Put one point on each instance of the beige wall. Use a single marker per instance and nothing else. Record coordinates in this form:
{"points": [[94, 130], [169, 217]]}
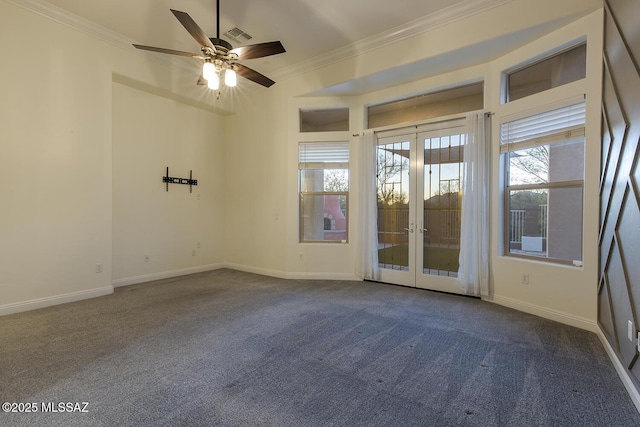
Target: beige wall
{"points": [[256, 186], [60, 143], [179, 231], [56, 222], [55, 162], [563, 293], [567, 294]]}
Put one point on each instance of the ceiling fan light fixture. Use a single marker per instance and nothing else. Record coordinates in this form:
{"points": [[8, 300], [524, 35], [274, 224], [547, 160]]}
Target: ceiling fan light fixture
{"points": [[214, 81], [230, 77], [208, 70]]}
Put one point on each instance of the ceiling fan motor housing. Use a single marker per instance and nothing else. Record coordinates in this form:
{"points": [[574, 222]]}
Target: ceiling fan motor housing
{"points": [[221, 43]]}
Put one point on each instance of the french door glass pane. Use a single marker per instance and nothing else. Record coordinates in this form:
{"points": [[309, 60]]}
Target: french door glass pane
{"points": [[442, 204], [393, 194]]}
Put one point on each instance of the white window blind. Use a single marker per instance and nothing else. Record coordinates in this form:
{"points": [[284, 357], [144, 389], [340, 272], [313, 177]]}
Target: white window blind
{"points": [[323, 155], [544, 128]]}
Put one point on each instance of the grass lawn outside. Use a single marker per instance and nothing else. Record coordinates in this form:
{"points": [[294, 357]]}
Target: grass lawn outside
{"points": [[434, 258]]}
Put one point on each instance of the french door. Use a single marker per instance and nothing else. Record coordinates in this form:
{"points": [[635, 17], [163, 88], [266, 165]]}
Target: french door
{"points": [[419, 178]]}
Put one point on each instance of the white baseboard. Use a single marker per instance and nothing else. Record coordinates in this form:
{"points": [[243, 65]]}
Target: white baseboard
{"points": [[54, 300], [256, 270], [287, 275], [623, 373], [578, 322], [324, 276], [547, 313], [34, 304], [165, 275]]}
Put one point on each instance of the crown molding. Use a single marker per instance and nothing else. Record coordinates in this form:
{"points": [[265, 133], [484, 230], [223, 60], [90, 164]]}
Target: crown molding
{"points": [[61, 16], [76, 22], [421, 25], [430, 22]]}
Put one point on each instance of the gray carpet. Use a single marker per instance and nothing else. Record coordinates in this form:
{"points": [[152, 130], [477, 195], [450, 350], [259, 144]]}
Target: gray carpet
{"points": [[234, 349]]}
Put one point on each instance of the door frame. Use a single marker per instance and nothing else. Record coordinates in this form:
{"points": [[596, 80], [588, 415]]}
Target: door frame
{"points": [[413, 275]]}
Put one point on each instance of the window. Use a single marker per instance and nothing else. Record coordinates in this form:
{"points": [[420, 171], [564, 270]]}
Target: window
{"points": [[543, 158], [426, 106], [561, 68], [324, 191], [324, 119]]}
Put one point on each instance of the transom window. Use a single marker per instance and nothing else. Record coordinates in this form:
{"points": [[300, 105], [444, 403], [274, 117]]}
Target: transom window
{"points": [[324, 119], [441, 103], [556, 70]]}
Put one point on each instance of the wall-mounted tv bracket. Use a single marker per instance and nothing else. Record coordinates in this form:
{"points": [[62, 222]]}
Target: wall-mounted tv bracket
{"points": [[186, 181]]}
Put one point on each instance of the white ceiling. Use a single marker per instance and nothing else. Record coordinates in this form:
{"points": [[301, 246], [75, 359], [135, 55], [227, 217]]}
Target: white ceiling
{"points": [[311, 31], [307, 28]]}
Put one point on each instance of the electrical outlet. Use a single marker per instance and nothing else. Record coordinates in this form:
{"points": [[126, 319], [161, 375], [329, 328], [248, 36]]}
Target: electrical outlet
{"points": [[630, 330], [198, 245], [146, 258], [524, 278], [99, 268], [300, 256]]}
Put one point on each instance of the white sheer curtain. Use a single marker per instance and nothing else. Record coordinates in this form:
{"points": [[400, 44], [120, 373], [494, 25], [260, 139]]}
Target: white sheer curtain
{"points": [[473, 274], [368, 261]]}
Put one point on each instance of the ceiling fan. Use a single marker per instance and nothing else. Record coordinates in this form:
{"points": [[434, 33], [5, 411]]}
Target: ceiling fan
{"points": [[219, 56]]}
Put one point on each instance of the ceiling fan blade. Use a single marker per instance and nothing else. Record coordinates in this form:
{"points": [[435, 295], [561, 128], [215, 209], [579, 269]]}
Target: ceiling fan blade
{"points": [[193, 28], [259, 50], [253, 75], [169, 51]]}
